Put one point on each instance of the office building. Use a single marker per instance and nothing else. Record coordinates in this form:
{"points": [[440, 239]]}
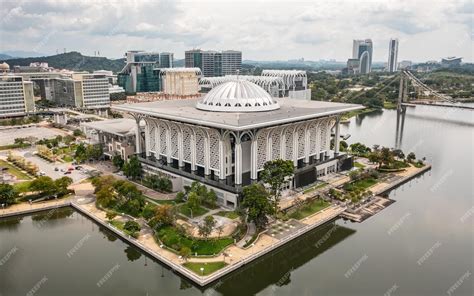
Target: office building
{"points": [[362, 50], [392, 55], [166, 60], [16, 96], [214, 63], [142, 71]]}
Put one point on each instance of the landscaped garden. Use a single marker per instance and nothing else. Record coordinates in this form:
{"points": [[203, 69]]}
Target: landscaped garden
{"points": [[14, 171], [309, 208], [176, 239], [204, 268]]}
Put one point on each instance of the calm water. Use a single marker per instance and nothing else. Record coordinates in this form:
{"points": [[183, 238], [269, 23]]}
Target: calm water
{"points": [[421, 245]]}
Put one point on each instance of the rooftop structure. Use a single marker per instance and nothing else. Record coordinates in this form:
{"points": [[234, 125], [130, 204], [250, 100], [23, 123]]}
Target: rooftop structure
{"points": [[273, 85], [451, 61], [117, 136], [238, 96]]}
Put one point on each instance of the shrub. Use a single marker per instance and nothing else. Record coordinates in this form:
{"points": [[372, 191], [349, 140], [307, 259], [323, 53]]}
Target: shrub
{"points": [[132, 226]]}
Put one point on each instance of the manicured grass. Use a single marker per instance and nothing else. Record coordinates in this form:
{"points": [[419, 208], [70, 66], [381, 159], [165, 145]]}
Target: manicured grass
{"points": [[117, 224], [309, 209], [174, 239], [315, 187], [185, 210], [359, 165], [360, 184], [228, 214], [15, 146], [166, 201], [22, 187], [14, 171], [208, 267], [389, 105]]}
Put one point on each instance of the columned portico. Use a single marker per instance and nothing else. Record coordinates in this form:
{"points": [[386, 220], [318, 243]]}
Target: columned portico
{"points": [[336, 135]]}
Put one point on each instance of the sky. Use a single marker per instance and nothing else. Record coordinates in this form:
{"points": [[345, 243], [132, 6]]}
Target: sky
{"points": [[262, 30]]}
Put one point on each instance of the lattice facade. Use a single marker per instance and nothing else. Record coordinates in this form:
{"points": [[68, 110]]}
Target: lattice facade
{"points": [[211, 149]]}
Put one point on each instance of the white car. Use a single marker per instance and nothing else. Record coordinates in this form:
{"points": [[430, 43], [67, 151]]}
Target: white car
{"points": [[42, 173]]}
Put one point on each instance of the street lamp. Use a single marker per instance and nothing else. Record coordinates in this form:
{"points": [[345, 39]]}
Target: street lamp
{"points": [[202, 271]]}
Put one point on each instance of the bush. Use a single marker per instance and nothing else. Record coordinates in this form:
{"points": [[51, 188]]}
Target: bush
{"points": [[132, 227]]}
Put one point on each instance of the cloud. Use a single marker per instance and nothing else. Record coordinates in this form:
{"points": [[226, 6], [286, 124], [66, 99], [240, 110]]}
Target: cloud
{"points": [[261, 29]]}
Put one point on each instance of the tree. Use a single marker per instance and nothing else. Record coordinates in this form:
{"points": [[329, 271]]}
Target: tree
{"points": [[81, 153], [94, 151], [62, 185], [276, 173], [133, 168], [8, 194], [205, 228], [44, 185], [193, 201], [257, 203], [220, 230], [118, 161], [185, 253], [411, 157], [77, 133], [386, 156], [132, 226], [164, 215]]}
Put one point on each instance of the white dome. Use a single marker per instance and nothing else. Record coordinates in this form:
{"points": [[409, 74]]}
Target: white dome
{"points": [[238, 96]]}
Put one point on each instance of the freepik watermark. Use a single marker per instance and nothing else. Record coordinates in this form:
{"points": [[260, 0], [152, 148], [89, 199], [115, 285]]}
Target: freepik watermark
{"points": [[108, 275], [458, 283], [399, 223], [78, 245], [356, 266], [37, 286], [326, 236], [428, 253], [441, 180], [391, 290], [467, 215], [10, 253]]}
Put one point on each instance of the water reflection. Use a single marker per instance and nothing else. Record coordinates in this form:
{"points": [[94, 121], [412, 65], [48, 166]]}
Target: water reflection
{"points": [[276, 268]]}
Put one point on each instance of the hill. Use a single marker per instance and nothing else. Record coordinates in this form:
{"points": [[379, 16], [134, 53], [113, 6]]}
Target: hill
{"points": [[72, 61]]}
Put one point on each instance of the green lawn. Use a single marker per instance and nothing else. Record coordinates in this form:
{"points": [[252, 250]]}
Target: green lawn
{"points": [[389, 105], [15, 146], [22, 187], [14, 171], [208, 267], [228, 214], [360, 184], [309, 209], [185, 210], [175, 240], [315, 187], [359, 165]]}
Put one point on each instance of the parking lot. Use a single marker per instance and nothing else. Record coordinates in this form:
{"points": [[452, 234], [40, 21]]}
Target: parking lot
{"points": [[8, 136], [49, 168]]}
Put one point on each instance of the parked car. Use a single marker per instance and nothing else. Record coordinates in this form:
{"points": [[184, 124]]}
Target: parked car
{"points": [[42, 173], [78, 167], [67, 173], [56, 169]]}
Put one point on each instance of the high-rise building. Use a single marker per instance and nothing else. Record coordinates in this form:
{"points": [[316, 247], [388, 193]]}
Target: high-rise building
{"points": [[82, 90], [231, 62], [362, 50], [214, 63], [392, 55], [142, 71], [166, 60], [16, 96]]}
